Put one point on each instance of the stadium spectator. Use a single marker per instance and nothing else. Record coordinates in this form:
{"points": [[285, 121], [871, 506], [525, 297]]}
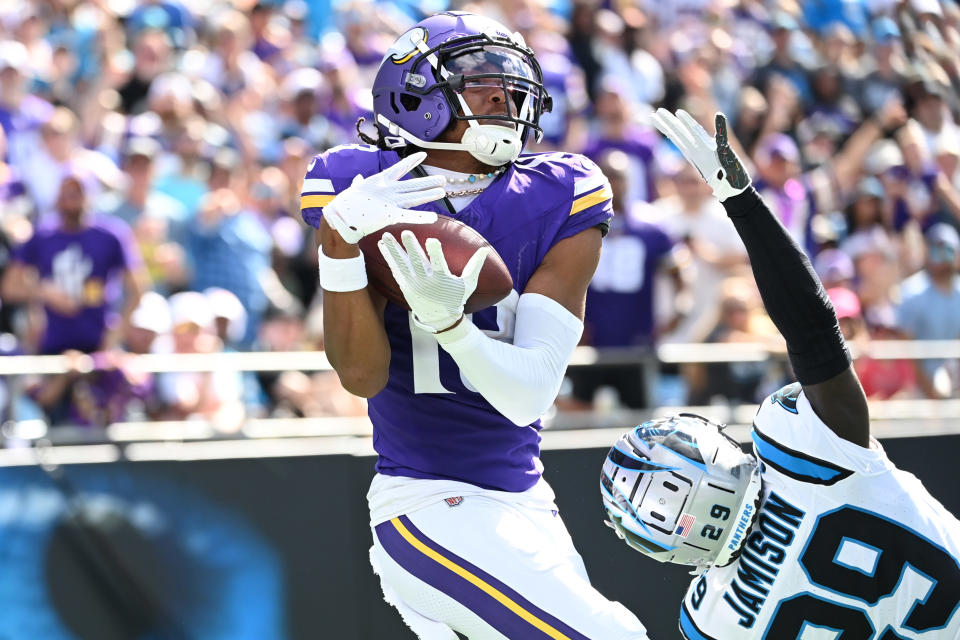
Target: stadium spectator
{"points": [[170, 16], [946, 184], [228, 247], [832, 102], [22, 113], [566, 126], [58, 152], [163, 257], [138, 198], [928, 109], [230, 326], [783, 63], [835, 268], [302, 91], [97, 390], [619, 308], [215, 396], [693, 218], [741, 321], [266, 43], [315, 396], [838, 51], [885, 79], [796, 197], [229, 316], [885, 379], [865, 215], [184, 176], [930, 309], [152, 56], [616, 128], [849, 314], [150, 325], [70, 266], [581, 36]]}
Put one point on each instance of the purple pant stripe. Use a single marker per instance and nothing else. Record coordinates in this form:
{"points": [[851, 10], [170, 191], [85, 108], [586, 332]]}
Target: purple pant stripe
{"points": [[466, 593]]}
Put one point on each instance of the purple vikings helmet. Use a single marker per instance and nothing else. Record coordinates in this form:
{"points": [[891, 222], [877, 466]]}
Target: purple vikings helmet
{"points": [[418, 89], [680, 490]]}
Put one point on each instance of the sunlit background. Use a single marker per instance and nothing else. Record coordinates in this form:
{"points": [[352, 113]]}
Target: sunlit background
{"points": [[178, 458]]}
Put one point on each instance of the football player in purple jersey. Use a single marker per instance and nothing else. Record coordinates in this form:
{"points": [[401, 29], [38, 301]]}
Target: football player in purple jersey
{"points": [[467, 538]]}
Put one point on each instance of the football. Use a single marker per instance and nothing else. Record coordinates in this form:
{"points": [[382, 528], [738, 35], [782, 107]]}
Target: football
{"points": [[459, 243]]}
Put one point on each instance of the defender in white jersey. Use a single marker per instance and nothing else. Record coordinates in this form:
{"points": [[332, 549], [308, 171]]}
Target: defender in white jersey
{"points": [[845, 543], [834, 542]]}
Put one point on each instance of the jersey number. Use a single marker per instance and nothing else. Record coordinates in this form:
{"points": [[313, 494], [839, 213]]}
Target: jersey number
{"points": [[426, 351], [863, 556]]}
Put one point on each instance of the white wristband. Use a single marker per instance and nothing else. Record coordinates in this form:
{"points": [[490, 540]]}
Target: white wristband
{"points": [[341, 274]]}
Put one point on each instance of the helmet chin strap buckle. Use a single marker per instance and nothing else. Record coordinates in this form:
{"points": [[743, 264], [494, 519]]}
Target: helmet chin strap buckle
{"points": [[492, 144]]}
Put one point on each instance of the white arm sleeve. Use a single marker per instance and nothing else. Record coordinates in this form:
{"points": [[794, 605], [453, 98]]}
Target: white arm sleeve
{"points": [[520, 380]]}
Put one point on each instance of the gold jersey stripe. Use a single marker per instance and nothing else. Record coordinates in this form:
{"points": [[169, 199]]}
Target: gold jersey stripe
{"points": [[309, 202], [590, 199]]}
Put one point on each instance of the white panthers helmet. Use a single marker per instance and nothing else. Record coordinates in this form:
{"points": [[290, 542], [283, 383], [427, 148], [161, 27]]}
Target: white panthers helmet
{"points": [[680, 490]]}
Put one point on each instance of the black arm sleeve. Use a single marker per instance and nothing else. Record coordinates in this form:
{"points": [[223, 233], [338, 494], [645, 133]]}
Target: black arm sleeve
{"points": [[791, 291]]}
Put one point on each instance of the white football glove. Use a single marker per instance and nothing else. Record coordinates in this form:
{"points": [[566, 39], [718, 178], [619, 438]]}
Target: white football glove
{"points": [[370, 204], [435, 295], [714, 159]]}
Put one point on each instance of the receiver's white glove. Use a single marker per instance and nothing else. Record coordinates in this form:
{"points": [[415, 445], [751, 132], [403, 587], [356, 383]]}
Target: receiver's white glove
{"points": [[370, 204], [435, 295], [714, 159]]}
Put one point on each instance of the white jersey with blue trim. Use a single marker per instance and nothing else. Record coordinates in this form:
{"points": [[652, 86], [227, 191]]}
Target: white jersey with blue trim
{"points": [[845, 546]]}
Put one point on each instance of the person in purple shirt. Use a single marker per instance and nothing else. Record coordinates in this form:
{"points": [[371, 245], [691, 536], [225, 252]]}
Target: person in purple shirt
{"points": [[619, 309], [615, 129], [22, 114], [459, 510], [71, 265], [96, 391]]}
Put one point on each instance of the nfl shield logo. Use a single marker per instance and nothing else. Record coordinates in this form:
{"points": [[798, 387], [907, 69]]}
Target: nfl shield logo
{"points": [[452, 502]]}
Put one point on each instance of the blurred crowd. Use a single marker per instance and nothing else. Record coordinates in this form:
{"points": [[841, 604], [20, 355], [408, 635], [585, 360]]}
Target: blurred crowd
{"points": [[151, 155]]}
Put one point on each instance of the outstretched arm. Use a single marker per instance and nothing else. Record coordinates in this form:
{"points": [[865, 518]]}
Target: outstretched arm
{"points": [[791, 292], [799, 307]]}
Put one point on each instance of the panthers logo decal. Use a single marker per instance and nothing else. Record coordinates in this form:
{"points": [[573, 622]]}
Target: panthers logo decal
{"points": [[787, 397]]}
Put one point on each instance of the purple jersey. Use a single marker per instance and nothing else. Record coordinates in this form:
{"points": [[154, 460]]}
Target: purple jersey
{"points": [[85, 264], [638, 144], [620, 298], [427, 421]]}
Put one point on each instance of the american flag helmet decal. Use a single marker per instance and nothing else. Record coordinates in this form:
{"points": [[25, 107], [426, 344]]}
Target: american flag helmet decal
{"points": [[685, 525]]}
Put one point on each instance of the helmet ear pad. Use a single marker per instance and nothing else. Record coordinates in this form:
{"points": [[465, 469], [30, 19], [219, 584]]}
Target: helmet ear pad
{"points": [[427, 115]]}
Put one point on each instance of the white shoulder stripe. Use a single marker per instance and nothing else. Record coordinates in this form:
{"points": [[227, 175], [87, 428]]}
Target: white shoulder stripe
{"points": [[317, 185], [589, 183]]}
